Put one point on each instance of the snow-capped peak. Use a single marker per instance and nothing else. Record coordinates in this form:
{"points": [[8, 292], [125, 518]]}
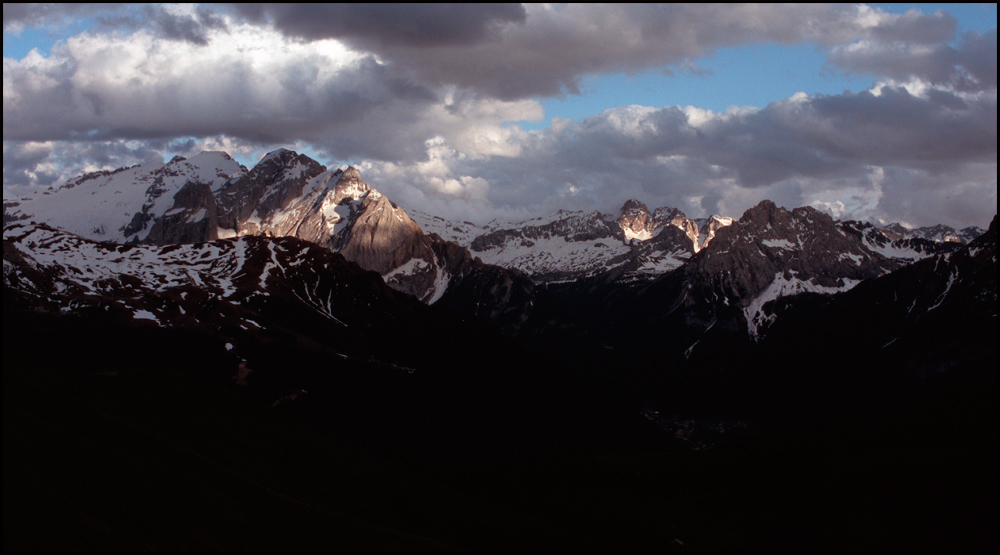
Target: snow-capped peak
{"points": [[279, 153]]}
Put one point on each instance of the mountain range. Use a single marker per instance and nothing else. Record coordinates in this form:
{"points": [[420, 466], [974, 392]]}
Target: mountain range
{"points": [[210, 196], [433, 341]]}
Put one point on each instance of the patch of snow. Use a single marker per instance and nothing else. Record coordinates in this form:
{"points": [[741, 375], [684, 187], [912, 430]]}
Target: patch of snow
{"points": [[441, 281], [662, 263], [779, 243], [781, 287], [408, 268], [689, 350], [553, 254], [951, 281], [856, 258], [100, 205], [892, 250], [643, 235], [343, 213], [145, 315], [459, 232], [273, 154], [271, 264]]}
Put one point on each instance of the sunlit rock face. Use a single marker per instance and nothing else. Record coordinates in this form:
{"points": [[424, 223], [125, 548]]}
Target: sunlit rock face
{"points": [[565, 246], [290, 195], [637, 222], [769, 253]]}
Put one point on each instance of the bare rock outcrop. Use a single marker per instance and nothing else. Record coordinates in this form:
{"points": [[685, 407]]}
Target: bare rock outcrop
{"points": [[192, 218]]}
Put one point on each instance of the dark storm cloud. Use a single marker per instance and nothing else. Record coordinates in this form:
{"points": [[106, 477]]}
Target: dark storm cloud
{"points": [[423, 97], [191, 27], [971, 66], [373, 25], [21, 165], [796, 151], [967, 196], [979, 57], [917, 27], [898, 127], [513, 53], [97, 88], [813, 137]]}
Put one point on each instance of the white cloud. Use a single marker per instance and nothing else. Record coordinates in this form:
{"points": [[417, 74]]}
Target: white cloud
{"points": [[254, 84], [852, 155], [428, 116]]}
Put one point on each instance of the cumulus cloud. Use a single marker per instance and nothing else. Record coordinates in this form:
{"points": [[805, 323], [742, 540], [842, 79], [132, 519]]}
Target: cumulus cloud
{"points": [[851, 154], [966, 196], [256, 84], [32, 165], [913, 26], [421, 98], [801, 136], [546, 49], [971, 66], [374, 25], [173, 22]]}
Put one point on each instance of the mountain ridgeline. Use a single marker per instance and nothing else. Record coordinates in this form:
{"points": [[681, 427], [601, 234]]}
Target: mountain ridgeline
{"points": [[652, 288], [283, 358], [569, 272]]}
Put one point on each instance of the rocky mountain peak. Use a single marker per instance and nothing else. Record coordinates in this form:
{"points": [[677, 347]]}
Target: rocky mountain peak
{"points": [[764, 213], [969, 233], [351, 173], [941, 233], [635, 220], [218, 153], [935, 233], [773, 252], [350, 185], [708, 227], [668, 216], [990, 235], [279, 154], [271, 167], [770, 220], [633, 205], [895, 231], [633, 208]]}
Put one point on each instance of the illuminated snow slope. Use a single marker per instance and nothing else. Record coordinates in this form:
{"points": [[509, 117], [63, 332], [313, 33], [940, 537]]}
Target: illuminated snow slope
{"points": [[101, 205], [210, 196]]}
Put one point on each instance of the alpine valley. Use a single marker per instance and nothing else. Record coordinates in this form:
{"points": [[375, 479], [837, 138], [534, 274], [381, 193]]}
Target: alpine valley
{"points": [[198, 355]]}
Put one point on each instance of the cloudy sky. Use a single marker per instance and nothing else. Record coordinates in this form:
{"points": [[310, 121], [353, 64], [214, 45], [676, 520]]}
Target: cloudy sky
{"points": [[884, 113]]}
